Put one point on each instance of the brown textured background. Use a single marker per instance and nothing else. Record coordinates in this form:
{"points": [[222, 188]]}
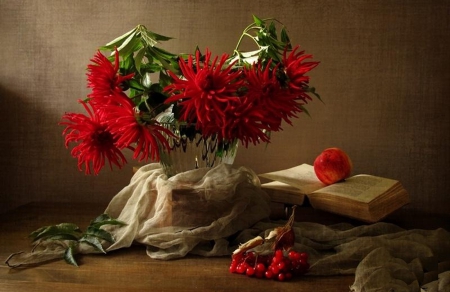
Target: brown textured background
{"points": [[384, 78]]}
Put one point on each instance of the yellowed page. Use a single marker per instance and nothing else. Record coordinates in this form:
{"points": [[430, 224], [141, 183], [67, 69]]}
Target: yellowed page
{"points": [[301, 177], [284, 193], [281, 186], [363, 188]]}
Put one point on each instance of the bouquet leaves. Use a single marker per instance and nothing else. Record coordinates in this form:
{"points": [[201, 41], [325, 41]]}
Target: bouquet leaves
{"points": [[71, 237]]}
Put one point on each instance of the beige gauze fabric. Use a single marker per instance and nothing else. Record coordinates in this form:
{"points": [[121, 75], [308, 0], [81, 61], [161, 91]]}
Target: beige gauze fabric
{"points": [[191, 212]]}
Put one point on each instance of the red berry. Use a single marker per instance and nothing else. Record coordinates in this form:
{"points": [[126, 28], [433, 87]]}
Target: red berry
{"points": [[250, 271], [302, 263], [280, 265], [274, 269], [237, 257], [293, 255], [295, 263], [288, 264], [279, 254], [241, 268], [304, 256], [260, 268]]}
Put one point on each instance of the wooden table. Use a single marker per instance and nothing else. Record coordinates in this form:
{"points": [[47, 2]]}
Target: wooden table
{"points": [[131, 269], [127, 269]]}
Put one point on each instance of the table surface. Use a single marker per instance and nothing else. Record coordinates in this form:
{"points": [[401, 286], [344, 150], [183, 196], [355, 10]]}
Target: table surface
{"points": [[129, 269]]}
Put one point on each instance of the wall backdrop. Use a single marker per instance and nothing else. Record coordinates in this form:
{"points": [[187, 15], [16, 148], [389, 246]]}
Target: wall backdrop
{"points": [[384, 78]]}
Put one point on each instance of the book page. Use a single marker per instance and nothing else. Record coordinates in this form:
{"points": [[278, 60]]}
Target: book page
{"points": [[301, 177], [281, 186], [283, 193], [363, 188]]}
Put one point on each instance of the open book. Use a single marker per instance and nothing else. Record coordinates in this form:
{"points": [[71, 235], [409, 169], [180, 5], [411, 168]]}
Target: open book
{"points": [[365, 197]]}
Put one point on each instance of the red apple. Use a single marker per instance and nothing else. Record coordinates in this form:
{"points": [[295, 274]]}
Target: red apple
{"points": [[332, 165]]}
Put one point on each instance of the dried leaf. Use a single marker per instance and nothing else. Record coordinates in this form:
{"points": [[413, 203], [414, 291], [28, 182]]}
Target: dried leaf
{"points": [[285, 236], [248, 245]]}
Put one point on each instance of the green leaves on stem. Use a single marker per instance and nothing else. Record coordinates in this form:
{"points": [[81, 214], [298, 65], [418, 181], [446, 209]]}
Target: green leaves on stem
{"points": [[270, 45], [140, 55], [73, 236], [139, 43], [63, 231]]}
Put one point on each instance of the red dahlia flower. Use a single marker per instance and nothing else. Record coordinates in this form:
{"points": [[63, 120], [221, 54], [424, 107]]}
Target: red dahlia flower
{"points": [[207, 91], [295, 69], [96, 143], [125, 125], [268, 96], [245, 123], [104, 78]]}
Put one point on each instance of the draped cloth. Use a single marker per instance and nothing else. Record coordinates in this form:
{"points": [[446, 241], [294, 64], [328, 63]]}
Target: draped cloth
{"points": [[209, 212], [191, 212], [382, 256]]}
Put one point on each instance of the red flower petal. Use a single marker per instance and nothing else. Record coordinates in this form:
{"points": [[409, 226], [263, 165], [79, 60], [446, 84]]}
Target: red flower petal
{"points": [[96, 144]]}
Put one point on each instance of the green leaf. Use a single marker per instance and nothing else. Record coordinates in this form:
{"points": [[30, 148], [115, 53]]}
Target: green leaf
{"points": [[273, 30], [109, 222], [63, 229], [304, 110], [285, 38], [62, 237], [249, 57], [69, 256], [101, 218], [100, 233], [158, 37], [150, 68], [251, 60], [253, 53], [126, 65], [163, 53], [35, 233], [71, 232], [167, 60], [119, 40], [127, 49], [149, 38], [136, 85], [258, 21], [138, 59], [105, 219], [128, 40], [164, 79], [313, 91], [167, 64], [94, 242]]}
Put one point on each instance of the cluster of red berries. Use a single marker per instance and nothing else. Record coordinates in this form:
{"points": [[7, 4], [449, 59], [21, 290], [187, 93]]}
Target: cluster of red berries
{"points": [[278, 266]]}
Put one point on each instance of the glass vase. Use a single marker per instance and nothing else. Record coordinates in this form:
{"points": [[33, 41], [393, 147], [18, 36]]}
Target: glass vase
{"points": [[190, 150]]}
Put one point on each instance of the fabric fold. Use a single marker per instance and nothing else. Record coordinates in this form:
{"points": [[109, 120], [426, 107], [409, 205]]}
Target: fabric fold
{"points": [[189, 212]]}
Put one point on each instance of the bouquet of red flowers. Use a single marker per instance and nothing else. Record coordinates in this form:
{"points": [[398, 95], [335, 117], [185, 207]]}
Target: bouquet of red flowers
{"points": [[140, 89]]}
